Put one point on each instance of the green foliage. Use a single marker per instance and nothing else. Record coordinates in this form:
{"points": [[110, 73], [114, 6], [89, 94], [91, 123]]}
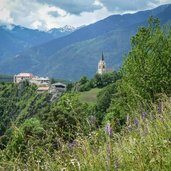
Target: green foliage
{"points": [[32, 127], [28, 134], [144, 145], [90, 97], [68, 133], [105, 79], [98, 81], [67, 117], [18, 103], [146, 71], [104, 98]]}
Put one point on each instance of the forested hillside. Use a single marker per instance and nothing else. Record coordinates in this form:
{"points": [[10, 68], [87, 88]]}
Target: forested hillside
{"points": [[125, 125]]}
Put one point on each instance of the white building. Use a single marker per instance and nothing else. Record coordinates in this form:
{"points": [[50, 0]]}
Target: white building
{"points": [[101, 66], [39, 81], [22, 76]]}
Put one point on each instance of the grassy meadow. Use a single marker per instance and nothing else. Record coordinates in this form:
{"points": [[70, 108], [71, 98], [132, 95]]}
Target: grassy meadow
{"points": [[89, 97]]}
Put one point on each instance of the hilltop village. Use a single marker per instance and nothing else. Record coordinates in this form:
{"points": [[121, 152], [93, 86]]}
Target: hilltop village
{"points": [[44, 85]]}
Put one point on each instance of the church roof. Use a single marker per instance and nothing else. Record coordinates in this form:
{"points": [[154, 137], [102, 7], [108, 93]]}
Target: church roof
{"points": [[25, 75], [102, 57]]}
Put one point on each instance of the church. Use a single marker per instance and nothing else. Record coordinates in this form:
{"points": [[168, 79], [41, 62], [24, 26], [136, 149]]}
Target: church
{"points": [[102, 68]]}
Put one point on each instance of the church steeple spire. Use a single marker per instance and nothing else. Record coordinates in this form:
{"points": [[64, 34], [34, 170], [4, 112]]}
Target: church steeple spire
{"points": [[102, 57], [101, 65]]}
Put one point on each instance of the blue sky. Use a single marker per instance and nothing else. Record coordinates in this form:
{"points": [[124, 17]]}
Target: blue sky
{"points": [[47, 14]]}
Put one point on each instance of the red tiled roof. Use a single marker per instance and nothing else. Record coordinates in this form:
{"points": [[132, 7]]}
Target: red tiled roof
{"points": [[25, 75], [43, 89]]}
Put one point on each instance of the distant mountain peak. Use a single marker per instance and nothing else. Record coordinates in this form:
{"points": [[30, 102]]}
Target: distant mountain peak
{"points": [[62, 31], [67, 28]]}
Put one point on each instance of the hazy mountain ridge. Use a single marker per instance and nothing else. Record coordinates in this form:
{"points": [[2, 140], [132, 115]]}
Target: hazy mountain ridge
{"points": [[77, 54], [15, 39]]}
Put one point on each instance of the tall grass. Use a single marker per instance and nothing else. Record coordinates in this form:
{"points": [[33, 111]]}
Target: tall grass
{"points": [[144, 144]]}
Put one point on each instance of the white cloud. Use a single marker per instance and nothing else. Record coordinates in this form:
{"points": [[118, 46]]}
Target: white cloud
{"points": [[5, 13], [83, 18], [47, 14], [74, 6], [39, 15]]}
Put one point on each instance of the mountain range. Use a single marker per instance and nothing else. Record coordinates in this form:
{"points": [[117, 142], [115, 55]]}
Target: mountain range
{"points": [[69, 55], [15, 39]]}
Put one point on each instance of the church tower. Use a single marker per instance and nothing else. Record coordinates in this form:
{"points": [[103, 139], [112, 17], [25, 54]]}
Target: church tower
{"points": [[101, 65]]}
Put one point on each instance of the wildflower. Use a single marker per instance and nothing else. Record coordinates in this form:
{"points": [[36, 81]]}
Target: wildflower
{"points": [[144, 115], [108, 129], [136, 123], [116, 164], [71, 145]]}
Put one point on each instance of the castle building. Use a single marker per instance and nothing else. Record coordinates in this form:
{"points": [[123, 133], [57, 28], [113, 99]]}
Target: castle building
{"points": [[22, 76], [39, 81], [102, 66]]}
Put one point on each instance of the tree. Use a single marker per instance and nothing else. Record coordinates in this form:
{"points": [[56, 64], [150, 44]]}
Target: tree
{"points": [[146, 71], [67, 117], [103, 101]]}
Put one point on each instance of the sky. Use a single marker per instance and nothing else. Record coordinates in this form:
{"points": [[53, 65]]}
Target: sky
{"points": [[48, 14]]}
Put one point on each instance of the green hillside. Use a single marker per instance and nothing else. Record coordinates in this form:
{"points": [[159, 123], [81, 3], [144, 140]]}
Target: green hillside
{"points": [[124, 124], [89, 97]]}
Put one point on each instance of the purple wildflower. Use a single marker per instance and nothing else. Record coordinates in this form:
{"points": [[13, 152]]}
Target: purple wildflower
{"points": [[136, 123], [144, 115], [72, 145], [108, 129]]}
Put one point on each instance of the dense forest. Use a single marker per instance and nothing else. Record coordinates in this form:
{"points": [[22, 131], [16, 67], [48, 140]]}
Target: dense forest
{"points": [[123, 124]]}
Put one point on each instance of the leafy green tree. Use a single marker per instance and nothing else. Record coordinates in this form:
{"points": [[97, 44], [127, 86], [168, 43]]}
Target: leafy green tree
{"points": [[67, 117], [30, 133], [105, 79], [108, 78], [103, 101], [83, 80], [146, 71]]}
